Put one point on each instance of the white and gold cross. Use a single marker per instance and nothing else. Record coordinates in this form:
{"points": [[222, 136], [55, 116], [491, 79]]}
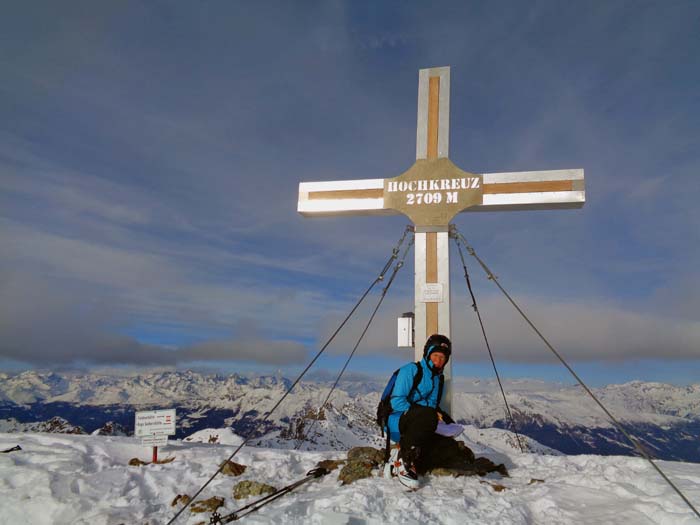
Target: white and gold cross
{"points": [[431, 193]]}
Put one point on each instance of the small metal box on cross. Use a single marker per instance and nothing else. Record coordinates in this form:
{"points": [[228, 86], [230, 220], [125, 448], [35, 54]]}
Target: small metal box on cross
{"points": [[431, 193]]}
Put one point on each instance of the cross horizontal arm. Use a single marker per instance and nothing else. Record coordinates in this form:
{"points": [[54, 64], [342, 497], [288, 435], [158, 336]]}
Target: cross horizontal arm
{"points": [[342, 197], [525, 190], [532, 190]]}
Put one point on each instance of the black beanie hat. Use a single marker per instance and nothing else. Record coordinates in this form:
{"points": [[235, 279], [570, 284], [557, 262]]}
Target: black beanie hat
{"points": [[438, 343]]}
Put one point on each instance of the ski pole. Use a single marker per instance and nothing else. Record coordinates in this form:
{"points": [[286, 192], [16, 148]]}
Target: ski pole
{"points": [[257, 504]]}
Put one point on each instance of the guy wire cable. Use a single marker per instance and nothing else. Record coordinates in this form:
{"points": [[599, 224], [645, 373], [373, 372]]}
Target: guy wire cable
{"points": [[397, 267], [488, 345], [394, 255], [617, 424]]}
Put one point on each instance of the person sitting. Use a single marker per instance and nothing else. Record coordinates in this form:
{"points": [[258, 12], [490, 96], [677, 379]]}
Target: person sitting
{"points": [[415, 410]]}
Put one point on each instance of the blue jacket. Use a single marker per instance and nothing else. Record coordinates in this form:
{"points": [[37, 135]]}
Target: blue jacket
{"points": [[426, 393]]}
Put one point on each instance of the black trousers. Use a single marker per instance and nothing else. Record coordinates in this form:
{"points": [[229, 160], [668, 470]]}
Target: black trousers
{"points": [[417, 428], [422, 447]]}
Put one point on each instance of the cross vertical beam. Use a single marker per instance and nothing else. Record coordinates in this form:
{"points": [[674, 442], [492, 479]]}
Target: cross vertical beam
{"points": [[432, 252]]}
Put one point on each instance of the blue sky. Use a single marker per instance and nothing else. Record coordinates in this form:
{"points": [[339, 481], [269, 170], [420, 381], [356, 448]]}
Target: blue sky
{"points": [[150, 155]]}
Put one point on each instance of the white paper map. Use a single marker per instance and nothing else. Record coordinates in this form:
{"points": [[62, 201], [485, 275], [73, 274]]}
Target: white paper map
{"points": [[449, 429]]}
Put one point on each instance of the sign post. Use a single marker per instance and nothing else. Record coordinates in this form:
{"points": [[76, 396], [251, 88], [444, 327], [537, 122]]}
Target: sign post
{"points": [[154, 427], [431, 193]]}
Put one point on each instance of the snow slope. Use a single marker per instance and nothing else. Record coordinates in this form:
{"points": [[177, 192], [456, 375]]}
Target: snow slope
{"points": [[223, 436], [86, 480]]}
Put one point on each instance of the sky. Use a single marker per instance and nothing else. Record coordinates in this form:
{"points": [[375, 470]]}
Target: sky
{"points": [[150, 156]]}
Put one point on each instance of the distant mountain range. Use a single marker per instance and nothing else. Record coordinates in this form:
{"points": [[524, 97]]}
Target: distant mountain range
{"points": [[665, 418]]}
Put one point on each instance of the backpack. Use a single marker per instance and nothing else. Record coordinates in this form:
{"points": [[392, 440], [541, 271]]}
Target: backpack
{"points": [[384, 407]]}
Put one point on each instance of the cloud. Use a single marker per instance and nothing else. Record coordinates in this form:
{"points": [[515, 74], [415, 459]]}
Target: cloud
{"points": [[43, 326], [70, 300], [582, 332], [259, 351], [579, 331]]}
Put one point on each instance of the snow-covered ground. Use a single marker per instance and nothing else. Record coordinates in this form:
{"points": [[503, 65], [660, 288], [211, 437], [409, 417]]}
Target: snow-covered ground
{"points": [[58, 478]]}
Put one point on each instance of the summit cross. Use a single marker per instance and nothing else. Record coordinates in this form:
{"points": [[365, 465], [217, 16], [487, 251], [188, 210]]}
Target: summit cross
{"points": [[431, 193]]}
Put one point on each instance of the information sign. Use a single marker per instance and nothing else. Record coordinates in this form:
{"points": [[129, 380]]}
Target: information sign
{"points": [[158, 422], [155, 440]]}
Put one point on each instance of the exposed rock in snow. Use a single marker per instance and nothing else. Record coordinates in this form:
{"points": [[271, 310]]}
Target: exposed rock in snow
{"points": [[111, 429], [55, 425]]}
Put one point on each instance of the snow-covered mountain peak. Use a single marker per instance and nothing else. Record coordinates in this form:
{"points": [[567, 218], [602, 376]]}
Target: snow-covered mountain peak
{"points": [[561, 416]]}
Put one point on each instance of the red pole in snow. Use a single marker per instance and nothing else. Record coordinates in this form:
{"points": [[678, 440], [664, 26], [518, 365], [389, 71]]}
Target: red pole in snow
{"points": [[155, 454]]}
